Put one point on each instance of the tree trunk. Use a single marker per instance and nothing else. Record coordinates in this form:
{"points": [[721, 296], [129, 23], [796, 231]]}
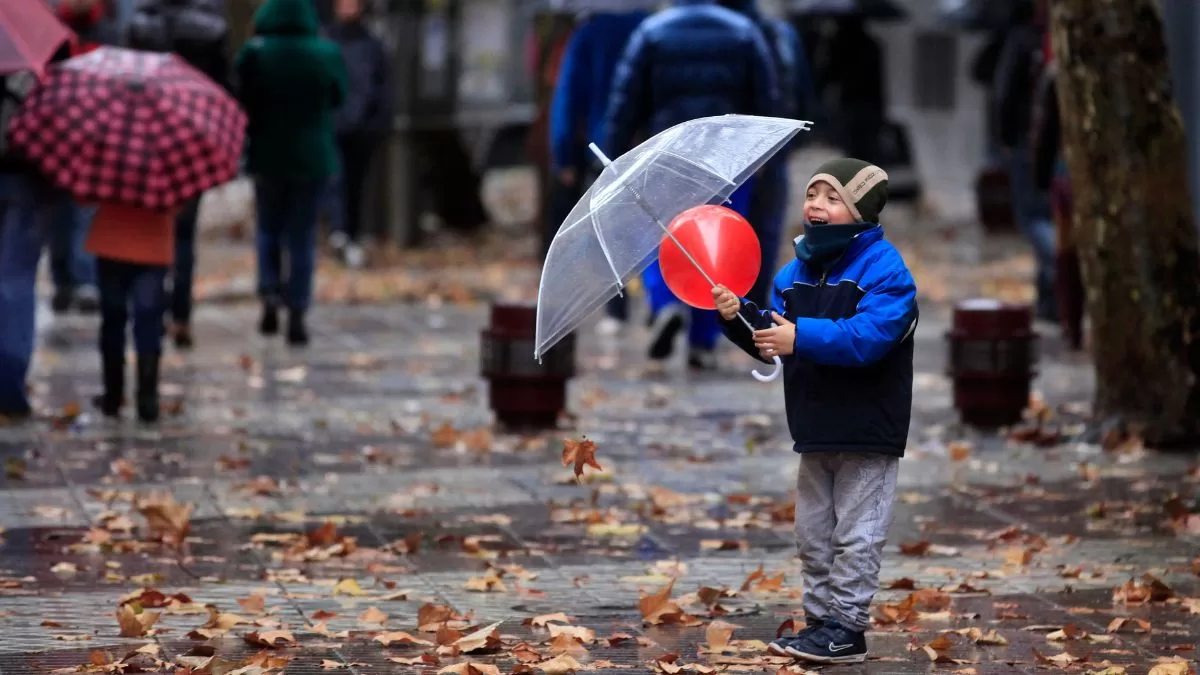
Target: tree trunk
{"points": [[1126, 152]]}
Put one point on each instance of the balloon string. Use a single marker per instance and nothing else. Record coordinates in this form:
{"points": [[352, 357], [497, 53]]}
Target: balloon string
{"points": [[650, 212]]}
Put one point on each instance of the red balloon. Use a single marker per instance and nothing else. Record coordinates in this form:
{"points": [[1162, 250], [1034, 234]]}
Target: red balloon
{"points": [[722, 242]]}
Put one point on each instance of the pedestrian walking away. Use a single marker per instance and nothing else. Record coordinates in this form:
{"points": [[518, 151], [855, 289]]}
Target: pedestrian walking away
{"points": [[197, 31], [290, 81], [695, 59]]}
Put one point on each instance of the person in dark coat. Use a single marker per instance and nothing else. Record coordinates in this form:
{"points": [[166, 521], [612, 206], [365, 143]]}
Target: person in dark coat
{"points": [[1012, 99], [577, 118], [196, 31], [27, 202], [291, 81], [768, 206], [695, 59], [362, 122]]}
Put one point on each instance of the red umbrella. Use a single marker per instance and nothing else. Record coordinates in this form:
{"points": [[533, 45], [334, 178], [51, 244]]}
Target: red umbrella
{"points": [[29, 35], [139, 128]]}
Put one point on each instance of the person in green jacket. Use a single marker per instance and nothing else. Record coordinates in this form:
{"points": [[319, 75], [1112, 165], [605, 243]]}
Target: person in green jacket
{"points": [[290, 82]]}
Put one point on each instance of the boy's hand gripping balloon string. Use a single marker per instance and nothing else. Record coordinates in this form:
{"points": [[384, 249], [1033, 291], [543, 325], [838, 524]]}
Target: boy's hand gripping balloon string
{"points": [[774, 375]]}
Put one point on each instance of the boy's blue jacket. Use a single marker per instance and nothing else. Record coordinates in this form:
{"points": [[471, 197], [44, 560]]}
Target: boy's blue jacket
{"points": [[848, 383]]}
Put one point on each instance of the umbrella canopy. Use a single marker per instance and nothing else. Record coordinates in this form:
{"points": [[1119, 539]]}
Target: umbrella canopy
{"points": [[29, 35], [615, 230], [139, 128], [877, 10]]}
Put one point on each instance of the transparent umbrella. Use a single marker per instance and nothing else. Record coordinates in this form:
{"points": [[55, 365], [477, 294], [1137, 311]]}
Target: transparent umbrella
{"points": [[615, 230]]}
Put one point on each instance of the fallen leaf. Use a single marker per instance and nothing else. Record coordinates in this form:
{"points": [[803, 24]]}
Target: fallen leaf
{"points": [[255, 604], [658, 607], [135, 624], [581, 633], [469, 668], [717, 635], [1171, 666], [1067, 632], [484, 639], [166, 519], [400, 637], [918, 548], [581, 454], [372, 615], [1149, 589], [562, 664], [1061, 660], [274, 639], [348, 586], [541, 621], [487, 583]]}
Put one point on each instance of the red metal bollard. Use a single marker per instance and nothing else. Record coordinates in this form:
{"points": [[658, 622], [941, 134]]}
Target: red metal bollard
{"points": [[523, 393], [993, 353]]}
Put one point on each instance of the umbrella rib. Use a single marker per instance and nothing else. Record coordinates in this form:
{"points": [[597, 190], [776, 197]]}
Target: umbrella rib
{"points": [[607, 256]]}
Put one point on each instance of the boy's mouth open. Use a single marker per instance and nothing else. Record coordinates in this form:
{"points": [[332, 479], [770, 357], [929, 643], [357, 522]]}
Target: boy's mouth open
{"points": [[818, 221]]}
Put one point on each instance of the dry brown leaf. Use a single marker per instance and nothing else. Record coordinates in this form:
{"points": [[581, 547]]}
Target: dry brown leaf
{"points": [[541, 621], [430, 618], [1061, 660], [525, 653], [658, 607], [1171, 666], [469, 668], [255, 604], [222, 622], [273, 639], [166, 519], [372, 615], [917, 548], [483, 640], [135, 624], [400, 637], [563, 664], [717, 635], [1149, 589], [487, 583], [580, 453], [581, 633]]}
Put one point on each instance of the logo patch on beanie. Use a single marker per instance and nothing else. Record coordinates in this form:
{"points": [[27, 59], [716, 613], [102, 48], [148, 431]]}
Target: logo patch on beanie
{"points": [[865, 180]]}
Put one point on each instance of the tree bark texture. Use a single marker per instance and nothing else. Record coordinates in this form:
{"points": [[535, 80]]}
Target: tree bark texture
{"points": [[1125, 149]]}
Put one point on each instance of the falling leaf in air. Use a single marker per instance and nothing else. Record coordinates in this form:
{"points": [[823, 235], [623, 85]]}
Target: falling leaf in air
{"points": [[580, 453]]}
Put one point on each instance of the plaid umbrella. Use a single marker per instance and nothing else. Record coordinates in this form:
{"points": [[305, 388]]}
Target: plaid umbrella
{"points": [[139, 128]]}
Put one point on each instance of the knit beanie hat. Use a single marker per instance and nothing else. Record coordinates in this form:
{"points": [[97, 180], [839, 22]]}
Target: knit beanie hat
{"points": [[862, 185]]}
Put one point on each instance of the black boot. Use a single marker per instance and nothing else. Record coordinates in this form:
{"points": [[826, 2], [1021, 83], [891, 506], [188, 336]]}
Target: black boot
{"points": [[147, 387], [110, 401], [270, 318], [297, 334]]}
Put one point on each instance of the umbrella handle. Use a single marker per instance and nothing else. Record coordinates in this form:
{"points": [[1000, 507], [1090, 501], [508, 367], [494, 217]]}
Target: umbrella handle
{"points": [[774, 373]]}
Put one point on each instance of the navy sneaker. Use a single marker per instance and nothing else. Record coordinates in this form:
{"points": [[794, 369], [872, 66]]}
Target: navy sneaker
{"points": [[832, 643], [780, 645]]}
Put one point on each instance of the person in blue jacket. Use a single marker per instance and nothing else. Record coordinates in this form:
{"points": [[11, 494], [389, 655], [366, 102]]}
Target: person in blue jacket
{"points": [[577, 112], [842, 318], [768, 208], [695, 59]]}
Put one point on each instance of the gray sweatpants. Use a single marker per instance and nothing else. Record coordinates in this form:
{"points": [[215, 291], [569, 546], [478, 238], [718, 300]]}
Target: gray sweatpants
{"points": [[843, 512]]}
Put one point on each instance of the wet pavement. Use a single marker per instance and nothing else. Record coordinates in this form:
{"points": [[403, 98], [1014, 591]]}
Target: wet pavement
{"points": [[298, 510]]}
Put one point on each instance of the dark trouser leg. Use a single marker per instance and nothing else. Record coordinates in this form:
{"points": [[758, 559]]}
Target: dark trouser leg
{"points": [[357, 151], [185, 263], [149, 305], [113, 282]]}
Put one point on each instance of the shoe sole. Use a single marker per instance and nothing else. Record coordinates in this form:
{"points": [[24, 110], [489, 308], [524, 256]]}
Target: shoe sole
{"points": [[813, 658], [777, 650]]}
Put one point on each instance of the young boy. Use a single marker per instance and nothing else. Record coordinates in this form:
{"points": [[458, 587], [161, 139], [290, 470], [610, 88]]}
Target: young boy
{"points": [[843, 318]]}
